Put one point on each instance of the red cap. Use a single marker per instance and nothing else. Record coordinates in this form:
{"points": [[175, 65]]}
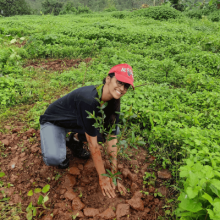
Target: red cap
{"points": [[124, 73]]}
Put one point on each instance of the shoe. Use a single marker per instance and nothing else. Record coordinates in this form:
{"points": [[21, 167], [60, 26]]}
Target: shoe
{"points": [[64, 164], [76, 147]]}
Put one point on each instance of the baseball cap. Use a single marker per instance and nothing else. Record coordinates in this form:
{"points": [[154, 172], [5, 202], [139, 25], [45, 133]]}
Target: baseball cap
{"points": [[124, 73]]}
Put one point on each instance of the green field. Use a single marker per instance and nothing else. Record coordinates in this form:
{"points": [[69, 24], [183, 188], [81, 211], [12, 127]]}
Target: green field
{"points": [[178, 108]]}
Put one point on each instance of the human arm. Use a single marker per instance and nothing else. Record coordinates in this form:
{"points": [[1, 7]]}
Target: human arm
{"points": [[104, 182], [112, 151]]}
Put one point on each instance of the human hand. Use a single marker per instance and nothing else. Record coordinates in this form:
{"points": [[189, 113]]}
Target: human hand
{"points": [[106, 186], [121, 188]]}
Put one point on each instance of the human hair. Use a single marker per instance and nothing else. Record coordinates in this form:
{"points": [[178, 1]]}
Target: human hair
{"points": [[113, 105]]}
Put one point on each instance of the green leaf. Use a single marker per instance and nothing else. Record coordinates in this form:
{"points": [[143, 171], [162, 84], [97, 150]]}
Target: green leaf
{"points": [[191, 205], [40, 200], [46, 188], [37, 190], [46, 198], [215, 183], [208, 197], [214, 190], [34, 211], [105, 174], [2, 174], [30, 193], [29, 215], [192, 192], [29, 207]]}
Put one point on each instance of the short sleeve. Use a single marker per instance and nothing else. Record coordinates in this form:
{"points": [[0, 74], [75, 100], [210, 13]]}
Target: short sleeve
{"points": [[83, 120]]}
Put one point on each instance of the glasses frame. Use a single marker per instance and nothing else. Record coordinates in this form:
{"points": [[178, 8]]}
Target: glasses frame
{"points": [[120, 83]]}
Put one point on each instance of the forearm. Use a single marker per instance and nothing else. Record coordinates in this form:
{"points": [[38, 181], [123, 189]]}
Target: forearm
{"points": [[112, 151], [97, 159]]}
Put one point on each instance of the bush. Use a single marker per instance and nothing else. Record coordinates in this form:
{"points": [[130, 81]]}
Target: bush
{"points": [[110, 9], [119, 14], [215, 16], [69, 9], [14, 7], [158, 13], [195, 13], [52, 6]]}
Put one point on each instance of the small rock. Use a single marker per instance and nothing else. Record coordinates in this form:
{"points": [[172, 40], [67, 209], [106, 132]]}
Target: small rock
{"points": [[122, 210], [74, 171], [156, 201], [134, 187], [69, 194], [120, 166], [30, 132], [13, 163], [77, 204], [164, 174], [5, 142], [79, 214], [62, 191], [69, 182], [151, 189], [107, 214], [107, 164], [35, 148], [90, 212], [125, 172], [22, 154], [133, 177], [16, 130], [13, 178], [47, 217], [80, 167], [163, 190], [136, 203], [85, 180], [7, 127], [89, 166], [147, 210], [137, 194]]}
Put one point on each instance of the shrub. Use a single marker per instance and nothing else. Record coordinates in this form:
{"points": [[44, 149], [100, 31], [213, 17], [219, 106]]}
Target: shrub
{"points": [[110, 9], [195, 13], [14, 7], [158, 13], [52, 6], [215, 16], [69, 9], [119, 14]]}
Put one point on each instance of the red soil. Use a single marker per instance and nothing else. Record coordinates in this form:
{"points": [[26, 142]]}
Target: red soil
{"points": [[77, 191]]}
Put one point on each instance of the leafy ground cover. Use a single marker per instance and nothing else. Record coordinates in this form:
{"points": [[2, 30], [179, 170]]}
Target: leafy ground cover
{"points": [[177, 63]]}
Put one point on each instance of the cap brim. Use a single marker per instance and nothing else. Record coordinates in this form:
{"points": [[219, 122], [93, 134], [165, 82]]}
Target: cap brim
{"points": [[124, 79]]}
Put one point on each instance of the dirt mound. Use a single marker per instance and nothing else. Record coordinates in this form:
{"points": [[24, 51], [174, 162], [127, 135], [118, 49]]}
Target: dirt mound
{"points": [[56, 64], [75, 191]]}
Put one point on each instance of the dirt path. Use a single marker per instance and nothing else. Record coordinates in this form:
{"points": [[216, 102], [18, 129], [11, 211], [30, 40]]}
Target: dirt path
{"points": [[76, 190]]}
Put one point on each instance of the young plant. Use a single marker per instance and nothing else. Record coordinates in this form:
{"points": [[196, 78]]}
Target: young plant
{"points": [[113, 176], [31, 210]]}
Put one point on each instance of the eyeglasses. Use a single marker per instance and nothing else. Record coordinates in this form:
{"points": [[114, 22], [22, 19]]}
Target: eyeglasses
{"points": [[126, 85]]}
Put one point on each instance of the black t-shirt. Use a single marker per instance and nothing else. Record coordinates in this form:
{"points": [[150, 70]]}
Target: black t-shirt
{"points": [[70, 111]]}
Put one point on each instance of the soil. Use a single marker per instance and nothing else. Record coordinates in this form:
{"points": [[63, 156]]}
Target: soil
{"points": [[56, 64], [76, 191]]}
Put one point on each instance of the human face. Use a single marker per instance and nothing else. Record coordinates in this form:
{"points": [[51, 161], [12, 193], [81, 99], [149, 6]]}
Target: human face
{"points": [[117, 88]]}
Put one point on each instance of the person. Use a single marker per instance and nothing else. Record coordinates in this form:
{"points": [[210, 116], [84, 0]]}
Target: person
{"points": [[70, 114]]}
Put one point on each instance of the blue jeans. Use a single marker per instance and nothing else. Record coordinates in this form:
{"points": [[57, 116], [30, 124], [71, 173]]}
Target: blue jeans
{"points": [[53, 143]]}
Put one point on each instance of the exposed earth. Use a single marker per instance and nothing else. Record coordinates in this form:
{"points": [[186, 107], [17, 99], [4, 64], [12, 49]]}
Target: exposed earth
{"points": [[75, 192]]}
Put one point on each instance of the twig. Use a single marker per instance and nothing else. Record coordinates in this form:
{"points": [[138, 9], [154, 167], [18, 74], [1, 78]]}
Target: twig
{"points": [[87, 63]]}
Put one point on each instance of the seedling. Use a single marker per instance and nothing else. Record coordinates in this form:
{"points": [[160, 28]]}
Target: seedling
{"points": [[31, 210], [114, 176], [80, 195], [75, 216]]}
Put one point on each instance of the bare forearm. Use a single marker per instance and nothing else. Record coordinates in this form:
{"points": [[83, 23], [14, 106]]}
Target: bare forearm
{"points": [[97, 159], [112, 151]]}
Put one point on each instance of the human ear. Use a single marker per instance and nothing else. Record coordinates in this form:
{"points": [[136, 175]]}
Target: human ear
{"points": [[108, 79]]}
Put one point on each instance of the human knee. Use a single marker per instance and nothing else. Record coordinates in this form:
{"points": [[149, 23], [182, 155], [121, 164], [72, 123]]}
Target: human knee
{"points": [[53, 160]]}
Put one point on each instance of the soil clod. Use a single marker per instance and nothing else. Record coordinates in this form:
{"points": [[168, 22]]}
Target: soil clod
{"points": [[90, 212], [122, 210]]}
